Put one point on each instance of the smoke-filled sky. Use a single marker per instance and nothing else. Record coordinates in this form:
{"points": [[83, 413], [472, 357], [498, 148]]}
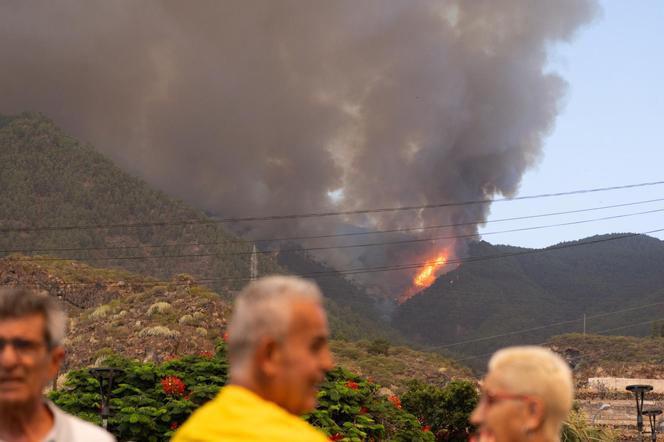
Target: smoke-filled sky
{"points": [[269, 107], [609, 131]]}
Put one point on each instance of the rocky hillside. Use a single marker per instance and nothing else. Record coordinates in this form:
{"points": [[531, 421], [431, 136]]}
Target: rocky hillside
{"points": [[611, 356], [114, 311]]}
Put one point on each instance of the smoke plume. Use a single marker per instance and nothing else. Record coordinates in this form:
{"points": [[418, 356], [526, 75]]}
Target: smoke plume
{"points": [[263, 107]]}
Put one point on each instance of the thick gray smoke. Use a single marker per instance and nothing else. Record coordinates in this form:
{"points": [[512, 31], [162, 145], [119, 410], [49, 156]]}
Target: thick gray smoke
{"points": [[266, 107]]}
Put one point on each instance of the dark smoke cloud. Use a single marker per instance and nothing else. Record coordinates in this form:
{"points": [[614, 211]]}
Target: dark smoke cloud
{"points": [[263, 107]]}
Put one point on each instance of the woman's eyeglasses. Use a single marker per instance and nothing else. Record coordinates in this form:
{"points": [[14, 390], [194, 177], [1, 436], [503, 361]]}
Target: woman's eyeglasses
{"points": [[490, 399]]}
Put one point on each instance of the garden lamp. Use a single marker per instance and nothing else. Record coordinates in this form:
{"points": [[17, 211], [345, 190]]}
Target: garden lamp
{"points": [[639, 391], [652, 417], [105, 376]]}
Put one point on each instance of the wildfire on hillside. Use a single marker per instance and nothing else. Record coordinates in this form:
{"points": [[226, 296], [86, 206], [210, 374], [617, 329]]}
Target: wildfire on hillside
{"points": [[427, 274]]}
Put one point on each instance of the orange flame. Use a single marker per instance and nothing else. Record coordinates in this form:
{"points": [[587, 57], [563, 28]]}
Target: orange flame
{"points": [[427, 275]]}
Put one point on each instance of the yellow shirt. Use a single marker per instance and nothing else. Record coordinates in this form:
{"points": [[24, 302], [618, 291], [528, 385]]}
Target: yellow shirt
{"points": [[239, 415]]}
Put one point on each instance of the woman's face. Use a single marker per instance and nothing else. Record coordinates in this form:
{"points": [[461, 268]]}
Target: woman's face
{"points": [[501, 416]]}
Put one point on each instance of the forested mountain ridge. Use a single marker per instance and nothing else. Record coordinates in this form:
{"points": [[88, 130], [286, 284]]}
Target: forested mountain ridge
{"points": [[50, 180], [533, 289], [62, 199]]}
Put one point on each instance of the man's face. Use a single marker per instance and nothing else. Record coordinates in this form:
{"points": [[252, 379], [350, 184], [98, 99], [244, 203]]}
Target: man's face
{"points": [[302, 359], [26, 362]]}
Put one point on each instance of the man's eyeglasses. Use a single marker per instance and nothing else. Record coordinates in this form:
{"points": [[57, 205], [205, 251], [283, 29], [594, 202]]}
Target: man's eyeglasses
{"points": [[24, 347], [490, 399]]}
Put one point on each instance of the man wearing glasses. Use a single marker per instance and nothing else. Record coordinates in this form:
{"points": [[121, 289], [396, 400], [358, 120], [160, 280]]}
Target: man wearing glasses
{"points": [[32, 328]]}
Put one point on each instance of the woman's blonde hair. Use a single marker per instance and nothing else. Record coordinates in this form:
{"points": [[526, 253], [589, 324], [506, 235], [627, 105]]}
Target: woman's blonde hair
{"points": [[539, 372]]}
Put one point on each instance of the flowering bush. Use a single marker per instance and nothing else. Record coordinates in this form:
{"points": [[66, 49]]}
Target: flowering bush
{"points": [[173, 386], [352, 385], [350, 409], [395, 401], [150, 401]]}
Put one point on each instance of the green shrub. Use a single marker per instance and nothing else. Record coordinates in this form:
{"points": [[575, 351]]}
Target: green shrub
{"points": [[446, 410], [150, 400], [379, 347], [577, 429]]}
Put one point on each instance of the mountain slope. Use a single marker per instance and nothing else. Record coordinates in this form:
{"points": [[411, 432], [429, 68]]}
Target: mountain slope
{"points": [[50, 180], [491, 297], [115, 311]]}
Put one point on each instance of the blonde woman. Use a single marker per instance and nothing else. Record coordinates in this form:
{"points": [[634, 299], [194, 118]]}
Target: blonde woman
{"points": [[526, 396]]}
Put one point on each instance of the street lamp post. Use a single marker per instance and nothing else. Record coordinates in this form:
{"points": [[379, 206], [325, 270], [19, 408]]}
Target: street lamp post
{"points": [[105, 377], [652, 417], [599, 411], [639, 392]]}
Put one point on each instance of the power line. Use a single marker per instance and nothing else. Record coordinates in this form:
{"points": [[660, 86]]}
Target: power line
{"points": [[321, 248], [330, 213], [544, 343], [541, 327], [466, 223], [361, 270], [336, 235]]}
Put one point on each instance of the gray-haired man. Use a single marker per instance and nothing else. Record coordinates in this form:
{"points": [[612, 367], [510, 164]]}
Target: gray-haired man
{"points": [[32, 328], [279, 354]]}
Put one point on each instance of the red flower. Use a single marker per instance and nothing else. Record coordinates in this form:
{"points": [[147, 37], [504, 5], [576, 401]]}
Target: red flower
{"points": [[173, 386], [395, 401], [206, 354], [352, 385], [174, 425], [225, 336], [426, 428], [364, 410], [337, 437]]}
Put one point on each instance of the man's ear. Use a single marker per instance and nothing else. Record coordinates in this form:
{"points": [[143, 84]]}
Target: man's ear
{"points": [[57, 355], [267, 356]]}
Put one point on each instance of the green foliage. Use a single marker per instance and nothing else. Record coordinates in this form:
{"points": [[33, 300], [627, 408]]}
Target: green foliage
{"points": [[498, 296], [577, 429], [144, 409], [399, 367], [446, 410], [379, 347], [350, 407]]}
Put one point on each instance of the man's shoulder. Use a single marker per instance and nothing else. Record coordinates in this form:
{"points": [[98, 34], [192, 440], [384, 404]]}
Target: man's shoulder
{"points": [[80, 430], [239, 415]]}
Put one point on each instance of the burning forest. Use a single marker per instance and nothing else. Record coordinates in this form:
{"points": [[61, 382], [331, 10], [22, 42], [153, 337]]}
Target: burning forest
{"points": [[263, 108]]}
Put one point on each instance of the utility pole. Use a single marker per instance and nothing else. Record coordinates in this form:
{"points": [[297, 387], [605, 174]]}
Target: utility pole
{"points": [[584, 324], [253, 265]]}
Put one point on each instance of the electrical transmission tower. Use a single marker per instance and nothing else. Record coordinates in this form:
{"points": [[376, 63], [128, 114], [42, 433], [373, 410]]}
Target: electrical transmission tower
{"points": [[253, 265]]}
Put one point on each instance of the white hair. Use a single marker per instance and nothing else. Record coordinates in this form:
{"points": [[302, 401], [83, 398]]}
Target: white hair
{"points": [[20, 302], [263, 309], [539, 372]]}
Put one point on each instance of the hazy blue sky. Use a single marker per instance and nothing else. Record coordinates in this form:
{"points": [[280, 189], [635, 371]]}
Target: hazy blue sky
{"points": [[609, 131]]}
